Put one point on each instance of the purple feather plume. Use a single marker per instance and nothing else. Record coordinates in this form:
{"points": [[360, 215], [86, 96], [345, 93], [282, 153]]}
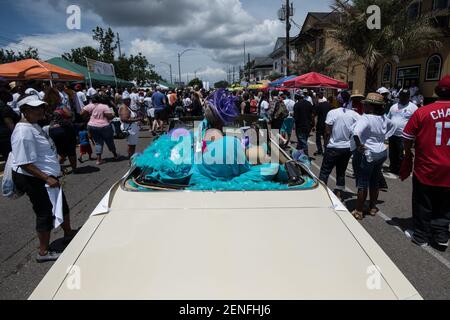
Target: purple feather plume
{"points": [[224, 105]]}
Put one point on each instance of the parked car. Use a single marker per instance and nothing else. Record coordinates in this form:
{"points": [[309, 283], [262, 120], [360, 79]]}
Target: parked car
{"points": [[148, 240]]}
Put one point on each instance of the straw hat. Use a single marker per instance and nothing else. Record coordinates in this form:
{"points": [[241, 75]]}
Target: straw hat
{"points": [[357, 94], [374, 98]]}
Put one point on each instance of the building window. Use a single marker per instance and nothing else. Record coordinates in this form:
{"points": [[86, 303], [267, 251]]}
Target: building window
{"points": [[441, 4], [321, 44], [434, 65], [387, 72], [414, 10]]}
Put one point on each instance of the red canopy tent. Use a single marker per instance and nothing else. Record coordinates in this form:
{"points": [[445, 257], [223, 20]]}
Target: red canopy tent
{"points": [[315, 80]]}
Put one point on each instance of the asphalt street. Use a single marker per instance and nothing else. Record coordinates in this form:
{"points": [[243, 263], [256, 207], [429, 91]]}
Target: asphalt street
{"points": [[427, 269]]}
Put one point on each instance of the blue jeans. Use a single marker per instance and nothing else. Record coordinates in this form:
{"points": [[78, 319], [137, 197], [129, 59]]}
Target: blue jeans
{"points": [[102, 135], [302, 138], [338, 158], [368, 173]]}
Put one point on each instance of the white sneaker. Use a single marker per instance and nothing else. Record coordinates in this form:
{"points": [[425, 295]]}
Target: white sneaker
{"points": [[410, 235], [443, 244], [50, 256]]}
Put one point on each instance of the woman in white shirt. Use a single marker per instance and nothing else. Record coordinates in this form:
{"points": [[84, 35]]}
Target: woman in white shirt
{"points": [[370, 132], [36, 170]]}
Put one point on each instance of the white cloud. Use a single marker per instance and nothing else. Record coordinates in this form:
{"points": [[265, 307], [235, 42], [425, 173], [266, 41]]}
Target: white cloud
{"points": [[148, 48], [53, 45], [212, 74]]}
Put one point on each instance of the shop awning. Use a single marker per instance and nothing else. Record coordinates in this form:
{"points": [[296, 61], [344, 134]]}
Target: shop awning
{"points": [[31, 69]]}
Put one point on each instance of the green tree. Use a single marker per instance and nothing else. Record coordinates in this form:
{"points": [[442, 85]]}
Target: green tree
{"points": [[107, 43], [7, 56], [141, 70], [221, 84], [400, 33], [196, 82], [123, 68], [79, 55]]}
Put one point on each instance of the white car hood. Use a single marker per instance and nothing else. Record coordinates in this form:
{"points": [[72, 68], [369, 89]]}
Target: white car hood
{"points": [[224, 246]]}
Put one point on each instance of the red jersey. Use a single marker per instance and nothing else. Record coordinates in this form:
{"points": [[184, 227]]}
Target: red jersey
{"points": [[430, 128]]}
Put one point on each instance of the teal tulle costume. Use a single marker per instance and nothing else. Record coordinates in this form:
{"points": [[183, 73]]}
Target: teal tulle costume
{"points": [[184, 158]]}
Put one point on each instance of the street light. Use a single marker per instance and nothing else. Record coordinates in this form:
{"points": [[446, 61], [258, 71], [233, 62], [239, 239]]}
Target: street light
{"points": [[170, 66], [179, 62]]}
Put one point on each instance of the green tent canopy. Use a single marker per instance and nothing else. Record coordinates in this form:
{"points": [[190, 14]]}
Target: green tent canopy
{"points": [[167, 84], [97, 79]]}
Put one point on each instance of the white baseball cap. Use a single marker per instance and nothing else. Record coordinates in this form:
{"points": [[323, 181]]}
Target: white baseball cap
{"points": [[383, 90]]}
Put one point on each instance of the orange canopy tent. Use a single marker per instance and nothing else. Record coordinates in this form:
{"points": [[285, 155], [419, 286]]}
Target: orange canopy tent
{"points": [[31, 69]]}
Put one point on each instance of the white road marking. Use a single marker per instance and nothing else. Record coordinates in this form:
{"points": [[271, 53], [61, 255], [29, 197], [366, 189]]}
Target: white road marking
{"points": [[429, 250]]}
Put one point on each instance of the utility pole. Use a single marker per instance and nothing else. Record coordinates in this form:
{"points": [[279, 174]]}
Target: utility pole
{"points": [[234, 73], [118, 44], [249, 69], [285, 14], [245, 57]]}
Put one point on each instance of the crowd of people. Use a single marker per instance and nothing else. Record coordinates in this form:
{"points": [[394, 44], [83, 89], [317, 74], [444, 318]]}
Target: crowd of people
{"points": [[42, 125]]}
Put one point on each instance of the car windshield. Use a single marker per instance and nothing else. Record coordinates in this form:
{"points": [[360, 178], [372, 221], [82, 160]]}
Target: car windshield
{"points": [[243, 156]]}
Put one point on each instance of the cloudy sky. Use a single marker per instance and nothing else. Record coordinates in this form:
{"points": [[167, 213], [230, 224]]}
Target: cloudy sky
{"points": [[216, 29]]}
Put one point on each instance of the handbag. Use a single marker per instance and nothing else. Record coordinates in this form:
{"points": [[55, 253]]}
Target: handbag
{"points": [[9, 189]]}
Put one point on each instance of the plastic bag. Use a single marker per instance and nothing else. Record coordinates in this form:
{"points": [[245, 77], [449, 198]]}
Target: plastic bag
{"points": [[8, 187]]}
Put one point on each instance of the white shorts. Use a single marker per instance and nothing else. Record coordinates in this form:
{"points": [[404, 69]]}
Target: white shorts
{"points": [[133, 132], [133, 139]]}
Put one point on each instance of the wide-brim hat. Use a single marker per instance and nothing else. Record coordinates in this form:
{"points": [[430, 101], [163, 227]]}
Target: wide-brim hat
{"points": [[31, 101], [374, 98]]}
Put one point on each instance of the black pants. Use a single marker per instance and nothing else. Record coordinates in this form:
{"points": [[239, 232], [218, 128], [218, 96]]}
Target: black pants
{"points": [[338, 158], [319, 136], [395, 154], [431, 212], [42, 206]]}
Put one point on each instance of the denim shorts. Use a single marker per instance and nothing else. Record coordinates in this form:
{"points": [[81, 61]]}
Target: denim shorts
{"points": [[368, 173]]}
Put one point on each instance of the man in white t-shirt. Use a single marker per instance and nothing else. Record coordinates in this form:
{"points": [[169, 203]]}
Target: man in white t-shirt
{"points": [[81, 99], [399, 114], [338, 134], [91, 92], [288, 102], [264, 107], [308, 97], [134, 96]]}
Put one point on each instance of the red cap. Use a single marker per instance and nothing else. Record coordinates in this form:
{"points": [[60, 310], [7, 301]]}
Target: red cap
{"points": [[445, 82], [78, 87]]}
